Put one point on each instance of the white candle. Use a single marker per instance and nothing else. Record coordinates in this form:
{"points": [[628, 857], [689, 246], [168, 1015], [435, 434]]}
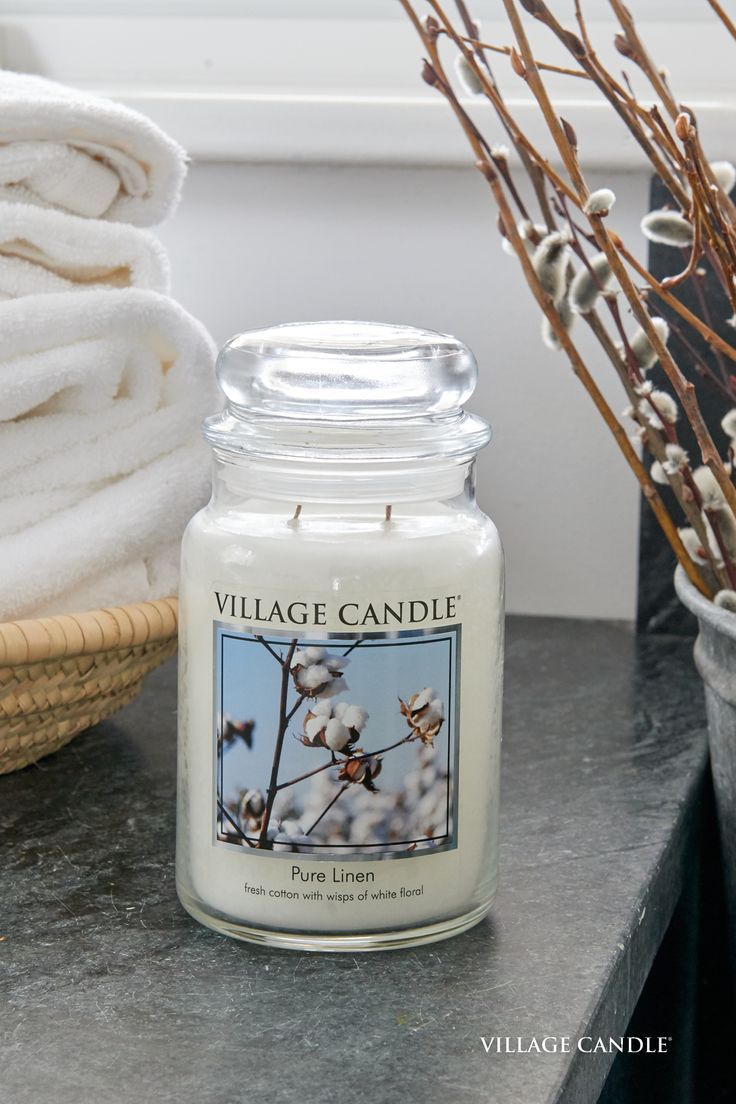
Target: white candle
{"points": [[341, 648]]}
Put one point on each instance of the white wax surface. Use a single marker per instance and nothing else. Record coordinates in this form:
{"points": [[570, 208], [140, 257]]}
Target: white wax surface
{"points": [[427, 549]]}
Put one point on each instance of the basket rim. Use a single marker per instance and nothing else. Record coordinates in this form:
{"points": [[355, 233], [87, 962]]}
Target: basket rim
{"points": [[99, 630]]}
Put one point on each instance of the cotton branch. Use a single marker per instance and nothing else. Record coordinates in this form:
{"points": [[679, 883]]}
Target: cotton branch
{"points": [[279, 743], [269, 649], [358, 758]]}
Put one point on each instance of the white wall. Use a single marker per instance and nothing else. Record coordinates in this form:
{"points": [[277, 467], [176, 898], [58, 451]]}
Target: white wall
{"points": [[270, 99], [253, 244]]}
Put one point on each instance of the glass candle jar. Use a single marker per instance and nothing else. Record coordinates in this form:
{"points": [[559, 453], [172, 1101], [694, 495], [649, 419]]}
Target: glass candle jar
{"points": [[341, 646]]}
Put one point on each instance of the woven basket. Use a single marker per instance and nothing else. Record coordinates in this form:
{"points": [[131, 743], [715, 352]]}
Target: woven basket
{"points": [[59, 675]]}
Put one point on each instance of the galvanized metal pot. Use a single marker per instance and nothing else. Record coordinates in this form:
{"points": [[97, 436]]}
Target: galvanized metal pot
{"points": [[715, 658]]}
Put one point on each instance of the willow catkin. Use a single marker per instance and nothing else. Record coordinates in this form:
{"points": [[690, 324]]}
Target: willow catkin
{"points": [[588, 283], [728, 424], [550, 262], [667, 228], [725, 174], [467, 76], [693, 545], [599, 202], [644, 352], [566, 317], [659, 408]]}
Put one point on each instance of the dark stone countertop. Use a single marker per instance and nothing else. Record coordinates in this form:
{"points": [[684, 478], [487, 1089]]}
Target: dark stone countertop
{"points": [[112, 994]]}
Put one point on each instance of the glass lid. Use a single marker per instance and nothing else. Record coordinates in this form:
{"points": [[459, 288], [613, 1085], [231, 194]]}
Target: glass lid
{"points": [[356, 387]]}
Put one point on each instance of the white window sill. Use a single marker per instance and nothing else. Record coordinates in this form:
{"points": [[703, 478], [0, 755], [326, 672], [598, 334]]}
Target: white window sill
{"points": [[341, 91]]}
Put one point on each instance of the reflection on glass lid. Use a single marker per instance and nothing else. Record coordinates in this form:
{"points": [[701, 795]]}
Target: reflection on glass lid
{"points": [[316, 389], [341, 370]]}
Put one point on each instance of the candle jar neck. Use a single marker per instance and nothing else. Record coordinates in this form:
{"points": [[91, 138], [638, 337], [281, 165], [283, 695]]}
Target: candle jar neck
{"points": [[338, 482]]}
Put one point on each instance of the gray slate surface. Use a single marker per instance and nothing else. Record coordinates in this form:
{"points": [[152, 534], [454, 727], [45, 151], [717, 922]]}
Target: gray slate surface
{"points": [[110, 993]]}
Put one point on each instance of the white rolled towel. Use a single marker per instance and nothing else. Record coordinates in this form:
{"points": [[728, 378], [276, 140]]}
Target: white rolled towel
{"points": [[143, 577], [98, 391], [43, 251], [93, 385], [102, 550], [81, 153]]}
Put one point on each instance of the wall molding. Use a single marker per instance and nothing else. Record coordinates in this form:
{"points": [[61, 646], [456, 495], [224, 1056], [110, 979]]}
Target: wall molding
{"points": [[339, 91]]}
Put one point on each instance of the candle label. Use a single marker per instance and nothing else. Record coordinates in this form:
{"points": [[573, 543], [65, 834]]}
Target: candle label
{"points": [[336, 745]]}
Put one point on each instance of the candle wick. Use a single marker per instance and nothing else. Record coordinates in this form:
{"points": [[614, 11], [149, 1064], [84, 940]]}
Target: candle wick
{"points": [[294, 519], [387, 516]]}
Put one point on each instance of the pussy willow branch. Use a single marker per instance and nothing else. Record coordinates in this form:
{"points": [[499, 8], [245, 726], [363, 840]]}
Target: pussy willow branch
{"points": [[706, 332], [536, 84], [578, 365], [682, 484], [533, 172], [727, 377], [640, 56], [683, 387], [636, 118], [696, 252], [648, 488], [729, 567], [652, 117], [578, 193], [621, 101], [706, 210], [684, 390], [545, 66], [710, 199], [519, 139], [655, 443], [472, 28], [718, 380], [724, 18], [670, 168]]}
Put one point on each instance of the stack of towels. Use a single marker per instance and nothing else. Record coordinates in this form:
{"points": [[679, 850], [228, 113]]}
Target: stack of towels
{"points": [[104, 379]]}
